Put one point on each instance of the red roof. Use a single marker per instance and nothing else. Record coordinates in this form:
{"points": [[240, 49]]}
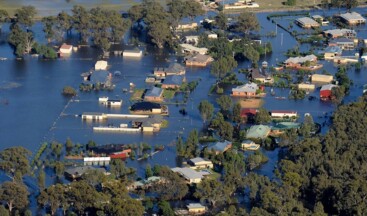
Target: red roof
{"points": [[248, 112]]}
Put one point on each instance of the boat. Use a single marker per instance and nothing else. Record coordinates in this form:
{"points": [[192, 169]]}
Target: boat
{"points": [[272, 92], [280, 98], [264, 64]]}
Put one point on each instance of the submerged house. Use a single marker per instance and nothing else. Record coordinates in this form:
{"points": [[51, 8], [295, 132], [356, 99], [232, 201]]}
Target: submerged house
{"points": [[101, 77], [101, 65], [196, 209], [247, 90], [188, 48], [199, 60], [258, 132], [173, 82], [352, 18], [321, 78], [283, 114], [343, 43], [175, 69], [297, 62], [134, 53], [326, 91], [65, 49], [332, 51], [220, 147], [149, 108], [336, 33], [260, 76], [307, 22]]}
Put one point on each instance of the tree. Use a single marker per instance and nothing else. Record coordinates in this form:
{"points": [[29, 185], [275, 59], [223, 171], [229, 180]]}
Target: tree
{"points": [[64, 22], [349, 4], [262, 116], [223, 66], [68, 91], [124, 206], [206, 110], [21, 40], [236, 114], [211, 190], [53, 198], [172, 188], [148, 171], [81, 22], [291, 2], [247, 22], [251, 53], [179, 9], [48, 25], [68, 145], [221, 21], [165, 209], [3, 17], [225, 102], [3, 211], [15, 160], [118, 168], [41, 179], [59, 168], [25, 15], [15, 195], [180, 148]]}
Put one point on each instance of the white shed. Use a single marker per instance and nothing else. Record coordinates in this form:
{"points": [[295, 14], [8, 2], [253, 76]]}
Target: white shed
{"points": [[101, 65]]}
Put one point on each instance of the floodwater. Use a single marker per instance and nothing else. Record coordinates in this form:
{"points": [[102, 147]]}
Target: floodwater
{"points": [[35, 111]]}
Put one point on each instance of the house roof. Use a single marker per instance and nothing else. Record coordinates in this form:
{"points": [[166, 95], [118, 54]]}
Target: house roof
{"points": [[286, 126], [195, 205], [352, 16], [284, 111], [175, 68], [80, 170], [258, 131], [189, 173], [99, 76], [248, 142], [135, 50], [192, 48], [108, 149], [307, 21], [101, 65], [327, 87], [220, 146], [198, 160], [296, 60], [199, 58], [342, 40], [154, 92], [66, 46], [248, 87], [145, 106], [174, 80], [339, 31], [333, 49]]}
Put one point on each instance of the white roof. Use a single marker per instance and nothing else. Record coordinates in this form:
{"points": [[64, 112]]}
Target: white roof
{"points": [[192, 48], [252, 87], [195, 205], [198, 160], [307, 21], [352, 16], [189, 173], [92, 159], [296, 60], [327, 87], [100, 65]]}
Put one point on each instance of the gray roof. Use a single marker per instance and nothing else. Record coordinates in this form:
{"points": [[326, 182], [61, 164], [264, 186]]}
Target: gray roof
{"points": [[195, 205], [296, 60], [219, 146], [189, 173], [79, 171], [175, 68], [333, 49], [174, 80], [99, 76], [154, 92], [327, 87], [307, 21], [352, 16], [258, 131], [199, 58], [340, 31]]}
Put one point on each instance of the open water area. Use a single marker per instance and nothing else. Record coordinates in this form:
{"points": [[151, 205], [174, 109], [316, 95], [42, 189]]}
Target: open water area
{"points": [[34, 111]]}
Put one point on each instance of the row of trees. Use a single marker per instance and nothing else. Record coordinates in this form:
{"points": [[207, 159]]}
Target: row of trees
{"points": [[162, 23]]}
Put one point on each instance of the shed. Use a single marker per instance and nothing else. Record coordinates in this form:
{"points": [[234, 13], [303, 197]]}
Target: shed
{"points": [[101, 65], [65, 49], [283, 114], [196, 208], [200, 163], [321, 78], [306, 86], [135, 53]]}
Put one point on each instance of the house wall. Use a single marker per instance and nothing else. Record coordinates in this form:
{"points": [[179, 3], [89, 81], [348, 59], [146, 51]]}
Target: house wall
{"points": [[197, 210], [195, 63], [283, 115], [158, 110], [243, 94], [172, 86], [151, 98]]}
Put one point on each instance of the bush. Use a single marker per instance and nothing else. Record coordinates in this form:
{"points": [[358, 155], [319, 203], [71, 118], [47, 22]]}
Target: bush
{"points": [[69, 91], [291, 2]]}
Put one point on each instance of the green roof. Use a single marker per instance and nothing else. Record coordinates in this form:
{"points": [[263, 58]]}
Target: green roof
{"points": [[286, 126], [258, 131]]}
